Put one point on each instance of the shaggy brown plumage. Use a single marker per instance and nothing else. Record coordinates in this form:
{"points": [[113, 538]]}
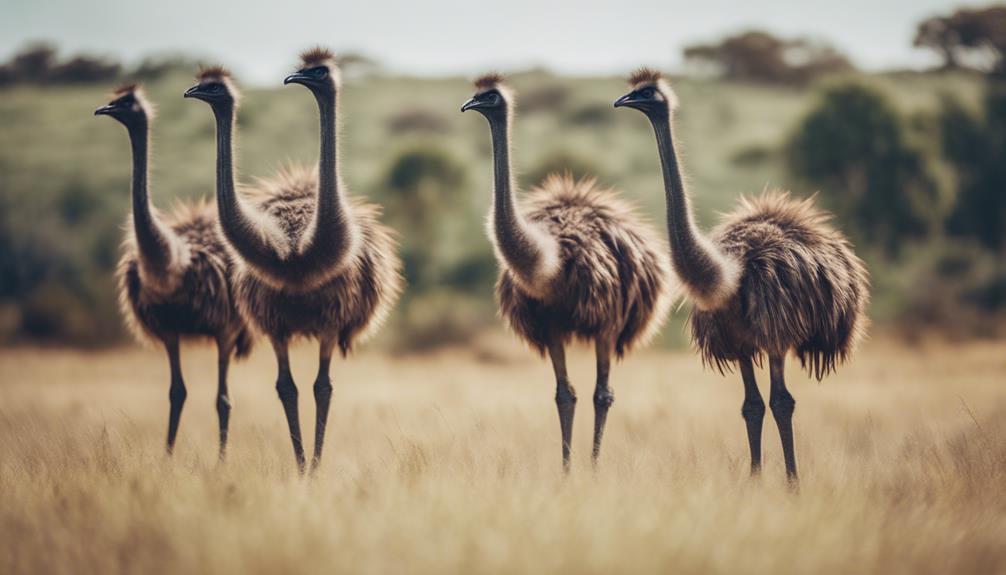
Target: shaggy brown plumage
{"points": [[774, 277], [351, 304], [575, 263], [202, 302], [802, 288], [613, 283], [174, 277], [313, 262]]}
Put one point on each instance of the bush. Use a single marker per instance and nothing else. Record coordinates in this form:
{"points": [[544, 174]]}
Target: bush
{"points": [[853, 147], [976, 147], [956, 287], [591, 115]]}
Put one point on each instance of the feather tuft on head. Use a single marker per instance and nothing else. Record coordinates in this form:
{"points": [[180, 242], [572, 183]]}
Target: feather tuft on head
{"points": [[213, 72], [487, 80], [124, 89], [644, 74], [316, 56]]}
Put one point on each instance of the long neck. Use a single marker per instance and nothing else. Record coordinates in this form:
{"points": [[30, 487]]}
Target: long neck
{"points": [[245, 231], [154, 241], [329, 240], [529, 252], [704, 269]]}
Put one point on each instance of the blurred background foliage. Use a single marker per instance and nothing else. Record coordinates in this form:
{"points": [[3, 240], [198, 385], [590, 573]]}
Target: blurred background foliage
{"points": [[913, 165]]}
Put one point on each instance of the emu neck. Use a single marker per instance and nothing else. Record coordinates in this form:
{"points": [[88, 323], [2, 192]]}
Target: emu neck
{"points": [[243, 231], [527, 251], [329, 240], [153, 241], [695, 260]]}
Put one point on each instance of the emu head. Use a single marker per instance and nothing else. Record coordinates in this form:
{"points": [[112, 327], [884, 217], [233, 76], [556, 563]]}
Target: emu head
{"points": [[492, 98], [318, 71], [650, 94], [214, 86], [129, 106]]}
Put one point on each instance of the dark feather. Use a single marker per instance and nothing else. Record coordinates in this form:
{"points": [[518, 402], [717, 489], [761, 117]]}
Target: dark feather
{"points": [[614, 282], [488, 80]]}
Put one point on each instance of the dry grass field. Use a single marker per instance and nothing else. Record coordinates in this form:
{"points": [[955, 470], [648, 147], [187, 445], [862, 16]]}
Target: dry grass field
{"points": [[450, 463]]}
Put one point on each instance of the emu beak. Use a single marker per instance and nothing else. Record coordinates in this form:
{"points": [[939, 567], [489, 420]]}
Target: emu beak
{"points": [[623, 101], [472, 103], [296, 78], [191, 92], [104, 110]]}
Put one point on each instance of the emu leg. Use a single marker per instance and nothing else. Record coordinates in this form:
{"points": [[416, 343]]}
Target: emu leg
{"points": [[565, 399], [177, 392], [322, 398], [783, 405], [287, 390], [753, 412], [603, 396], [224, 349]]}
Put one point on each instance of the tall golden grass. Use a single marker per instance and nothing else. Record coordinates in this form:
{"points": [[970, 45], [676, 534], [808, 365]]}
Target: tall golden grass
{"points": [[450, 463]]}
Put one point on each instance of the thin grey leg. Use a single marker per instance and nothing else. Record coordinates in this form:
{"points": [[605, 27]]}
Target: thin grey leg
{"points": [[753, 412], [322, 398], [177, 392], [287, 390], [603, 396], [565, 398], [783, 405], [224, 349]]}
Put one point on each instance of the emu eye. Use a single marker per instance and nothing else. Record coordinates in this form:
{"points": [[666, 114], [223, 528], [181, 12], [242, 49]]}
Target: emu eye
{"points": [[321, 72], [647, 92], [214, 88]]}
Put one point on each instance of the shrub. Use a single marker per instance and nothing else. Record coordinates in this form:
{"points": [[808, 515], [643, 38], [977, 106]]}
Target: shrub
{"points": [[853, 147], [562, 162]]}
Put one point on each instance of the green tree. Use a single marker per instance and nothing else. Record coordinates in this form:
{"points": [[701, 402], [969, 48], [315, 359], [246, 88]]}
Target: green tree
{"points": [[854, 148], [976, 147]]}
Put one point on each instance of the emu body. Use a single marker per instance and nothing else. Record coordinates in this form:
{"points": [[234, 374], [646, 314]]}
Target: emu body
{"points": [[774, 277], [174, 277], [575, 264], [311, 261]]}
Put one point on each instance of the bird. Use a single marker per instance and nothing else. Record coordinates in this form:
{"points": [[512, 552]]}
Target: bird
{"points": [[174, 276], [774, 277], [576, 263], [312, 261]]}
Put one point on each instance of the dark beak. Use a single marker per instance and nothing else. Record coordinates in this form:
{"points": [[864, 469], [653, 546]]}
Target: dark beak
{"points": [[104, 110], [296, 78], [625, 100], [191, 92], [472, 103]]}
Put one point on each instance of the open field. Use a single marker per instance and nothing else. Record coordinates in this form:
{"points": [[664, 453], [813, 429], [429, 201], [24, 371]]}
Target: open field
{"points": [[450, 463]]}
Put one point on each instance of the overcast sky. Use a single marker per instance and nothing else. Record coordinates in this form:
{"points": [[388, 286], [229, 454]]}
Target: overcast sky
{"points": [[260, 39]]}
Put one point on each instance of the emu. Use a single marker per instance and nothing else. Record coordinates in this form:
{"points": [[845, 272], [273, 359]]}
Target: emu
{"points": [[313, 262], [774, 277], [174, 277], [575, 263]]}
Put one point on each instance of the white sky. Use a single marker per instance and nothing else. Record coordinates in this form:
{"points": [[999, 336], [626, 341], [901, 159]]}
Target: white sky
{"points": [[259, 39]]}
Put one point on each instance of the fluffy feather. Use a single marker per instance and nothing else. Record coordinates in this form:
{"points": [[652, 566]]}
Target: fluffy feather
{"points": [[614, 280], [212, 73], [488, 80], [802, 288], [201, 303], [315, 56], [351, 304], [644, 74]]}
